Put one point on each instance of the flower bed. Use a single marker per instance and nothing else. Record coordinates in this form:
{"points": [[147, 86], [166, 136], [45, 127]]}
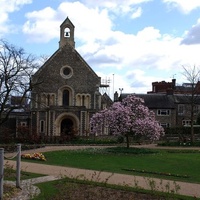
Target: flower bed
{"points": [[34, 156]]}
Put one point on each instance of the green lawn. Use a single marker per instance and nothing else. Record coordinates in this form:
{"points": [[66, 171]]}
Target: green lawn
{"points": [[176, 163]]}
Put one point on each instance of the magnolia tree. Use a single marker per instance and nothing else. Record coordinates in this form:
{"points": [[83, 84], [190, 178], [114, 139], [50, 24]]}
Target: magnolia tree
{"points": [[128, 117]]}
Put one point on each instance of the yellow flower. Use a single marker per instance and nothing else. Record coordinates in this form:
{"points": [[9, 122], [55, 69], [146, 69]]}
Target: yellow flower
{"points": [[36, 156]]}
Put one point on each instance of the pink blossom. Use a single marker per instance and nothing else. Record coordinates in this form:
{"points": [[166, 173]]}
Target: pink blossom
{"points": [[128, 116]]}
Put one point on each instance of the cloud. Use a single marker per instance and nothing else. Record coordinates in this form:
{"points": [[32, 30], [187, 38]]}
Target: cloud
{"points": [[147, 49], [137, 13], [117, 6], [139, 81], [6, 7], [137, 59], [185, 6], [192, 36], [98, 27], [88, 28], [41, 28], [115, 81]]}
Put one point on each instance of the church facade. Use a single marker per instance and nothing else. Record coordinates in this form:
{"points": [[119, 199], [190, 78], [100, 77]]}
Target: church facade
{"points": [[68, 91]]}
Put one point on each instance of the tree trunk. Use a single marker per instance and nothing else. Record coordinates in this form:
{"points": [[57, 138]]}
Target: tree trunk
{"points": [[127, 141], [192, 133], [192, 117]]}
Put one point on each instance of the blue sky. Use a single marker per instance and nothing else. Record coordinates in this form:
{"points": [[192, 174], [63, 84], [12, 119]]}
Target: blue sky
{"points": [[132, 43]]}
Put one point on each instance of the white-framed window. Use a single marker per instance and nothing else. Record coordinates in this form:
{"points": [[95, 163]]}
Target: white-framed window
{"points": [[165, 125], [163, 112], [186, 122]]}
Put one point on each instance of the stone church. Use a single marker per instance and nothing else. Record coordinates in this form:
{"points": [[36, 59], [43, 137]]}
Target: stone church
{"points": [[68, 91]]}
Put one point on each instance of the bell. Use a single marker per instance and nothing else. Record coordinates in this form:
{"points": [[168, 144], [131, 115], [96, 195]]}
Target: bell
{"points": [[67, 34]]}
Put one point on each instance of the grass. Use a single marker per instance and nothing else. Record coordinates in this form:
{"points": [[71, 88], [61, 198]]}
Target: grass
{"points": [[143, 161]]}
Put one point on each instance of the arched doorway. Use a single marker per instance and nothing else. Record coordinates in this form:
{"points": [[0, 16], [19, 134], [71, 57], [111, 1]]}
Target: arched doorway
{"points": [[66, 126], [66, 121]]}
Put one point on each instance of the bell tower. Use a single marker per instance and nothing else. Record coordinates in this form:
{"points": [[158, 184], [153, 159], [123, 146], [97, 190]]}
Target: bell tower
{"points": [[67, 33]]}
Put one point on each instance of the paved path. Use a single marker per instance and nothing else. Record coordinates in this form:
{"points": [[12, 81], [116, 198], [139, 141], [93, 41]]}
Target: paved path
{"points": [[55, 172]]}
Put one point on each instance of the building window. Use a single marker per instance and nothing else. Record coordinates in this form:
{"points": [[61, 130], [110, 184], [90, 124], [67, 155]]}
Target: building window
{"points": [[83, 100], [42, 126], [43, 100], [66, 72], [48, 99], [165, 125], [65, 98], [67, 32], [196, 109], [24, 124], [154, 88], [180, 109], [187, 122], [163, 112]]}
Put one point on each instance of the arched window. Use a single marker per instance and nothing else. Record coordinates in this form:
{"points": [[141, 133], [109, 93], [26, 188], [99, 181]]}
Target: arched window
{"points": [[43, 100], [52, 100], [42, 126], [78, 100], [67, 32], [83, 100], [87, 101], [65, 98]]}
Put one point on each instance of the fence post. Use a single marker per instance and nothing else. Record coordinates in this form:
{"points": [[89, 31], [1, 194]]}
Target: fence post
{"points": [[1, 172], [18, 166]]}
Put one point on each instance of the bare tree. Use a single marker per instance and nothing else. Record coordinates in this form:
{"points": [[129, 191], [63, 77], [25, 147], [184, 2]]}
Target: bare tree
{"points": [[43, 58], [16, 69], [192, 74]]}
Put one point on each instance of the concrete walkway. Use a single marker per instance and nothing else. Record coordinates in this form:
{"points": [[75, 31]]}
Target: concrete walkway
{"points": [[56, 172]]}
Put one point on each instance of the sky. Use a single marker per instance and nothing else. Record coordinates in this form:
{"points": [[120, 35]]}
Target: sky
{"points": [[128, 43]]}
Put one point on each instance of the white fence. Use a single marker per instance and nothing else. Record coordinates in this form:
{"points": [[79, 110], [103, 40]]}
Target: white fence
{"points": [[18, 168]]}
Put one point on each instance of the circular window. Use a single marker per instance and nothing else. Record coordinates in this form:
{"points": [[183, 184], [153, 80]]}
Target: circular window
{"points": [[66, 72]]}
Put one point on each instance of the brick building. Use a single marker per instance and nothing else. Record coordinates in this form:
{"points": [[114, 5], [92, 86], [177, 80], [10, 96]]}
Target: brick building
{"points": [[68, 93], [171, 110], [164, 87]]}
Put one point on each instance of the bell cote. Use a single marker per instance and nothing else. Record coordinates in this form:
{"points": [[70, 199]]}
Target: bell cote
{"points": [[66, 33]]}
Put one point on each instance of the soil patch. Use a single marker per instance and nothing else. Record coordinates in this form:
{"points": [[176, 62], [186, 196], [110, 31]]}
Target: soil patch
{"points": [[10, 191], [74, 191]]}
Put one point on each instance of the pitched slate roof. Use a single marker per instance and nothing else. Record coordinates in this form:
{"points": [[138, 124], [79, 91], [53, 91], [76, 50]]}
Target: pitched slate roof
{"points": [[164, 101], [156, 101], [106, 99], [186, 99]]}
